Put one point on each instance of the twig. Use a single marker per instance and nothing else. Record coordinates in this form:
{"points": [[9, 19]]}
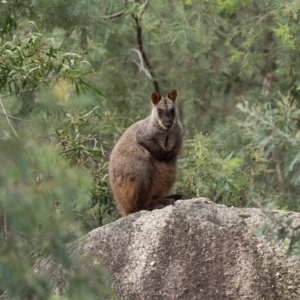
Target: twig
{"points": [[14, 118], [115, 15], [8, 95], [7, 118], [141, 64], [278, 169], [5, 226], [295, 75]]}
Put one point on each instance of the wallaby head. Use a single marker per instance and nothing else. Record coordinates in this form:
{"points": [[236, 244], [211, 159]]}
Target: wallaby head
{"points": [[164, 110]]}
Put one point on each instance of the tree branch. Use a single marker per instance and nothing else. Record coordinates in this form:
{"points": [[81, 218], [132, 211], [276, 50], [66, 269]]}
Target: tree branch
{"points": [[143, 53], [19, 92], [295, 75], [278, 169], [7, 118], [115, 15], [141, 64], [14, 118], [5, 226]]}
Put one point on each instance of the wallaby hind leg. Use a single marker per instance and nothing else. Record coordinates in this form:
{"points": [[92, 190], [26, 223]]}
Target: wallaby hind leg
{"points": [[128, 194]]}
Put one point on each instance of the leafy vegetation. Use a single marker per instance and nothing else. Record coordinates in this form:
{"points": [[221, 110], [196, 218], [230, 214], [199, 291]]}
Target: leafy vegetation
{"points": [[75, 74], [49, 168], [222, 176]]}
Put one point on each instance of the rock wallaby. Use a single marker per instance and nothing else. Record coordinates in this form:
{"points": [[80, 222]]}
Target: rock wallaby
{"points": [[142, 166]]}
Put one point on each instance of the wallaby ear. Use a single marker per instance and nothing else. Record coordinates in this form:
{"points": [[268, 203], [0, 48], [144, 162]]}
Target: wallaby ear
{"points": [[173, 95], [155, 97]]}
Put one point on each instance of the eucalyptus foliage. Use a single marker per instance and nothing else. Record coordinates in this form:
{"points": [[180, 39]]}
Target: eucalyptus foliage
{"points": [[46, 198], [274, 127], [41, 201], [222, 176], [80, 146]]}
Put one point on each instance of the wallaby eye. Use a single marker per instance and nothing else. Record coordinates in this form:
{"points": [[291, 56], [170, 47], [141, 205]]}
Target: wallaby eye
{"points": [[160, 111], [172, 111]]}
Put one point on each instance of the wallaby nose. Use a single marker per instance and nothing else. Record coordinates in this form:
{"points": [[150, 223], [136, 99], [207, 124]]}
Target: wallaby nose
{"points": [[168, 125]]}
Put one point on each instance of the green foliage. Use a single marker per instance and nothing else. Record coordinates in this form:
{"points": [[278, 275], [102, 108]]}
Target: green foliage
{"points": [[46, 197], [221, 176], [11, 13], [275, 129], [229, 6], [80, 146], [41, 197], [283, 230], [34, 61], [217, 51], [283, 32]]}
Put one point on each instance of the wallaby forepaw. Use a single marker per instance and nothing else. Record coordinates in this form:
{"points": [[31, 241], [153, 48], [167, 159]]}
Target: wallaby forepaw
{"points": [[156, 206], [176, 197], [168, 201]]}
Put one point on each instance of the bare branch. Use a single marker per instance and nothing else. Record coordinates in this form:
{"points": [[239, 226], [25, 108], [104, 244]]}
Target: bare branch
{"points": [[278, 169], [12, 94], [142, 8], [115, 15], [7, 118], [14, 118], [5, 226], [141, 64]]}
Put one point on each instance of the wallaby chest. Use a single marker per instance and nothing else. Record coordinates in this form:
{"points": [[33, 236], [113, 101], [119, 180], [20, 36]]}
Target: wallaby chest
{"points": [[163, 146]]}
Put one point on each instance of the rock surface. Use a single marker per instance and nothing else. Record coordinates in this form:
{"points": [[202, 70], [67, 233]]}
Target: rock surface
{"points": [[193, 250]]}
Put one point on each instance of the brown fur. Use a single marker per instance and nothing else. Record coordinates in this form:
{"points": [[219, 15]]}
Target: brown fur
{"points": [[142, 166]]}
